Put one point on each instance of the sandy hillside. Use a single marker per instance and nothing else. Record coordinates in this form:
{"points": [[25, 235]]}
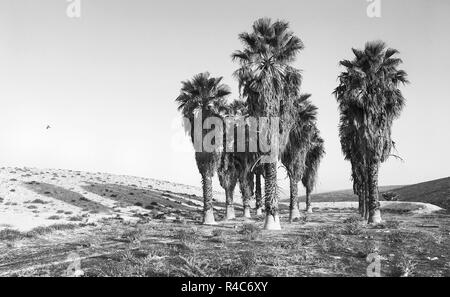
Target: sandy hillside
{"points": [[31, 197]]}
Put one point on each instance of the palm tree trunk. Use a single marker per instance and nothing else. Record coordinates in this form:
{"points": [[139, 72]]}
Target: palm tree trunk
{"points": [[271, 197], [361, 204], [366, 200], [229, 204], [208, 211], [245, 192], [258, 195], [308, 201], [294, 212], [374, 204]]}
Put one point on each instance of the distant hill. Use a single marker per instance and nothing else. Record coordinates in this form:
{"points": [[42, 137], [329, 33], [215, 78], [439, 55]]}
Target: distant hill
{"points": [[436, 192], [343, 195]]}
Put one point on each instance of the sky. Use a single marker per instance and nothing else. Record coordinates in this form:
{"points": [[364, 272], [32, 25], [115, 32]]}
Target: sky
{"points": [[106, 82]]}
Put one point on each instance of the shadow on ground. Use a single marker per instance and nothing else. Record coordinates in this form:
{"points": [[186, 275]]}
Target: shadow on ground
{"points": [[66, 196]]}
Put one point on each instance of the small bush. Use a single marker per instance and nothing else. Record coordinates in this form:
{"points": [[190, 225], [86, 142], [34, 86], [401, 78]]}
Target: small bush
{"points": [[187, 238], [217, 232], [404, 265], [132, 235], [75, 219], [250, 231], [397, 237], [38, 201], [11, 235], [54, 217], [352, 219], [49, 229], [352, 228]]}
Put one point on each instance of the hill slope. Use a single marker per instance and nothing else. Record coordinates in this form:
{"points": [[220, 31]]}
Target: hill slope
{"points": [[343, 195], [436, 192]]}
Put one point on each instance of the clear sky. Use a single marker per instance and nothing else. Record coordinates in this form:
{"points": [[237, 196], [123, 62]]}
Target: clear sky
{"points": [[106, 82]]}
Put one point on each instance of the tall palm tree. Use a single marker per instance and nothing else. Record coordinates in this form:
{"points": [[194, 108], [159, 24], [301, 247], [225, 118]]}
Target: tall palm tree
{"points": [[299, 142], [201, 98], [244, 160], [313, 157], [264, 76], [351, 149], [369, 100]]}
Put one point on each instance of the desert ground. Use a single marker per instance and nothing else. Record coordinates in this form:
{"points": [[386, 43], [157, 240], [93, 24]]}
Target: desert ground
{"points": [[72, 223]]}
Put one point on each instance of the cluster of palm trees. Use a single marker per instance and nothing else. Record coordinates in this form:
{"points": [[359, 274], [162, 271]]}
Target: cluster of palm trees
{"points": [[269, 87]]}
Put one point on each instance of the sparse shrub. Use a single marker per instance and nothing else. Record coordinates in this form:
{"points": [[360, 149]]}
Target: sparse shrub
{"points": [[248, 261], [49, 229], [390, 196], [352, 219], [250, 231], [352, 228], [132, 235], [404, 265], [397, 237], [317, 235], [290, 245], [245, 265], [187, 238], [11, 234], [75, 219], [217, 232], [437, 238], [391, 224], [54, 217], [129, 264], [218, 235]]}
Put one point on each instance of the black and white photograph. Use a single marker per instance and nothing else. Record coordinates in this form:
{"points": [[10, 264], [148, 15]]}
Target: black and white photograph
{"points": [[224, 145]]}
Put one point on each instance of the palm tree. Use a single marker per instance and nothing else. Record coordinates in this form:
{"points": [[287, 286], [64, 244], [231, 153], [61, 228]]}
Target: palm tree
{"points": [[312, 162], [351, 149], [265, 75], [201, 98], [228, 176], [369, 100], [246, 179], [299, 142], [236, 165], [244, 160]]}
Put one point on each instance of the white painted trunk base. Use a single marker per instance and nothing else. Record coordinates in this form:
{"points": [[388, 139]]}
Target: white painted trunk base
{"points": [[294, 214], [272, 222], [247, 212], [375, 218], [230, 213], [208, 218], [259, 211]]}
